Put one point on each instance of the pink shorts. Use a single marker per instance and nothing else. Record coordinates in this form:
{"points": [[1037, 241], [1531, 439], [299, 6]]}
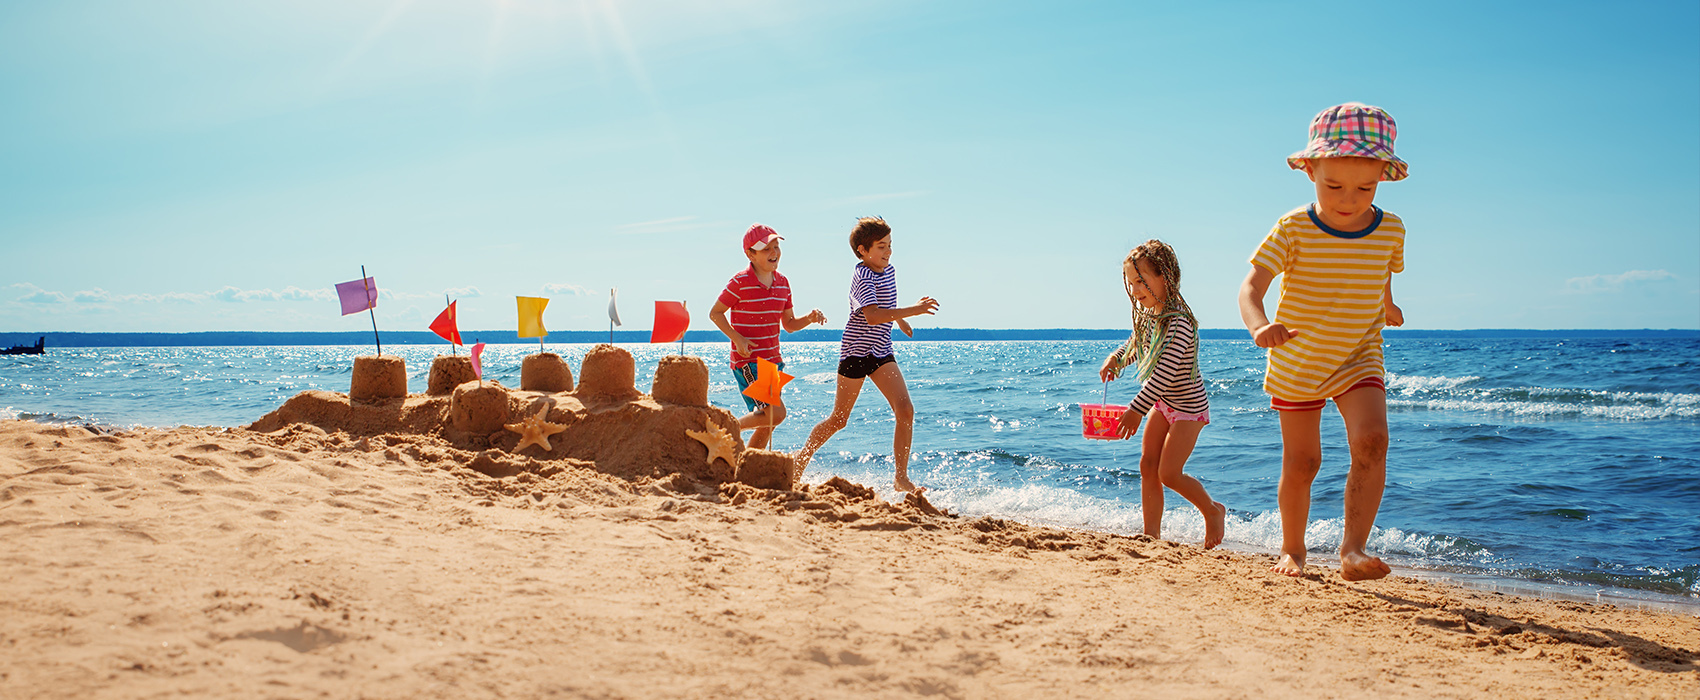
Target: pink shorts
{"points": [[1174, 416], [1285, 405]]}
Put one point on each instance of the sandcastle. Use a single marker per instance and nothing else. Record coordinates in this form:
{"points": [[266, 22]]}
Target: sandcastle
{"points": [[378, 377], [449, 372], [545, 371], [605, 420]]}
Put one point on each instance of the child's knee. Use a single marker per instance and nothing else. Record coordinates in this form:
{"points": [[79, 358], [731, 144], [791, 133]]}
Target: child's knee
{"points": [[1301, 464], [836, 421], [904, 410], [1369, 445]]}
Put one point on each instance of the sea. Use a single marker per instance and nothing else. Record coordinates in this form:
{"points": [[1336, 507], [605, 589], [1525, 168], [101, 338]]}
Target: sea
{"points": [[1565, 468]]}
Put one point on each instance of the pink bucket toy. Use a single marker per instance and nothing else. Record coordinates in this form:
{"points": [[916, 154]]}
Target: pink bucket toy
{"points": [[1099, 421]]}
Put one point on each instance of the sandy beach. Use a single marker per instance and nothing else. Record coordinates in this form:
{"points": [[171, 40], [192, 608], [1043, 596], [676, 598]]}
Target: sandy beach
{"points": [[378, 560]]}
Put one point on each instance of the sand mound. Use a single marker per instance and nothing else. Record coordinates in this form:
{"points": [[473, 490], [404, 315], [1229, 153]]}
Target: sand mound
{"points": [[380, 377], [546, 372]]}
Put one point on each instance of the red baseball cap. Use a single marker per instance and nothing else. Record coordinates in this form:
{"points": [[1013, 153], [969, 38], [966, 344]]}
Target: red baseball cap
{"points": [[759, 236]]}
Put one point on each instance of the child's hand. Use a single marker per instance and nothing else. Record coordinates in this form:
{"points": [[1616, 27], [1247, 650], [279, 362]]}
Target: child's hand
{"points": [[903, 325], [741, 344], [1395, 317], [927, 305], [1108, 371], [1273, 335], [1128, 426], [816, 316]]}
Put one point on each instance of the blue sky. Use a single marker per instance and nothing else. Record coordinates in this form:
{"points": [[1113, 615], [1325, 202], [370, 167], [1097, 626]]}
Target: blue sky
{"points": [[190, 166]]}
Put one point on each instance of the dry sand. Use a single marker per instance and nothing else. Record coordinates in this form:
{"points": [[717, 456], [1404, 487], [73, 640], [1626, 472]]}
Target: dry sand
{"points": [[382, 561]]}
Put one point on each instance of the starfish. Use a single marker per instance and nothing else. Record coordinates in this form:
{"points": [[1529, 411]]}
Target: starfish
{"points": [[534, 430], [720, 443]]}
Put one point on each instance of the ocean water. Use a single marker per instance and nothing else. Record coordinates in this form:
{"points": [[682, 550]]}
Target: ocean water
{"points": [[1564, 467]]}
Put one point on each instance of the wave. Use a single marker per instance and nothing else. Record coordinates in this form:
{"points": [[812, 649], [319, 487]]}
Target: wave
{"points": [[1412, 392]]}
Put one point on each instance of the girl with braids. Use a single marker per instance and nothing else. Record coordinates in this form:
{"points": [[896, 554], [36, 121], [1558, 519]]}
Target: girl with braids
{"points": [[1164, 351]]}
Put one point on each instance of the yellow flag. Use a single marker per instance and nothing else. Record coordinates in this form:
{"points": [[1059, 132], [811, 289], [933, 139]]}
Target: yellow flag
{"points": [[531, 317]]}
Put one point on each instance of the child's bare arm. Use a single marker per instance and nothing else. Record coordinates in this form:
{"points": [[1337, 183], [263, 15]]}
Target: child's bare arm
{"points": [[1252, 290], [877, 315], [1395, 316], [793, 324], [718, 315]]}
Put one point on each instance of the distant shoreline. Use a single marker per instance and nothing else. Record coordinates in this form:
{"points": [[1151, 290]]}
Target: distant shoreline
{"points": [[260, 338]]}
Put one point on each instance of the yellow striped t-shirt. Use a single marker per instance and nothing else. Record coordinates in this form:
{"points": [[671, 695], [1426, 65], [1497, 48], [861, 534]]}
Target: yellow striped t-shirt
{"points": [[1332, 286]]}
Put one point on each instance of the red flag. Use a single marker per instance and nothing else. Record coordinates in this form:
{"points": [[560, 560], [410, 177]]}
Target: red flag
{"points": [[445, 325], [477, 366], [671, 321]]}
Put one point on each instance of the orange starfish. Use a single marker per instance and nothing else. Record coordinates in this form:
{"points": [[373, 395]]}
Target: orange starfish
{"points": [[534, 430]]}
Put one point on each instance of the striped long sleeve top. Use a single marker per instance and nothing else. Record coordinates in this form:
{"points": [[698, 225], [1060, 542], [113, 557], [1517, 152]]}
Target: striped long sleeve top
{"points": [[1172, 379]]}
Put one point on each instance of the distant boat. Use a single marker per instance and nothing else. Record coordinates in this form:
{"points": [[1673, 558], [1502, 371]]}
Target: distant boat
{"points": [[38, 348]]}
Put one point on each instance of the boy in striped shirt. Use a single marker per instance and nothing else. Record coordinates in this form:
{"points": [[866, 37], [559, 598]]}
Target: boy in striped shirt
{"points": [[759, 301], [865, 350], [1336, 258]]}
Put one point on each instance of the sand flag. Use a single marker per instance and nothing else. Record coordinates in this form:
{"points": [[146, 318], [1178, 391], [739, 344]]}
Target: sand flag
{"points": [[613, 313], [671, 320], [531, 317], [769, 383], [358, 296], [446, 326], [477, 364]]}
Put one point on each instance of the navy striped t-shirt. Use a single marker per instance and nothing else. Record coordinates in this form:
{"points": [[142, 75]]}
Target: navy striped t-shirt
{"points": [[869, 288]]}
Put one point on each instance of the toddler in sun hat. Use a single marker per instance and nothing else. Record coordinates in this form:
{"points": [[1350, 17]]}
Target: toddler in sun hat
{"points": [[1336, 257], [1352, 130]]}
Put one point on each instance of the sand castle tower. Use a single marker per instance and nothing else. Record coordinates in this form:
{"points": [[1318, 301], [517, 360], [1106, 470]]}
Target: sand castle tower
{"points": [[607, 373], [448, 373], [681, 381], [479, 408], [378, 377], [546, 372]]}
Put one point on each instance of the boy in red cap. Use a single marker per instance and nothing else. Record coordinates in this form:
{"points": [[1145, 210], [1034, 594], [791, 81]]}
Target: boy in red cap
{"points": [[759, 301], [1336, 258]]}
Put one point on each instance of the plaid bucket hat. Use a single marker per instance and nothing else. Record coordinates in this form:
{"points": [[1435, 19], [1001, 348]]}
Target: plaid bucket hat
{"points": [[1352, 129]]}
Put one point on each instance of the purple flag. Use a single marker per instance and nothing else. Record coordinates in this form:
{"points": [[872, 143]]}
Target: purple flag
{"points": [[358, 296]]}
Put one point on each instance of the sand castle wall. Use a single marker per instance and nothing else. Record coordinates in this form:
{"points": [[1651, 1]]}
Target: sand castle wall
{"points": [[606, 422]]}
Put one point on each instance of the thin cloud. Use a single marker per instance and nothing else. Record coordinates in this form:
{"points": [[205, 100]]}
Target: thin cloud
{"points": [[676, 224], [569, 289], [463, 292], [1616, 283]]}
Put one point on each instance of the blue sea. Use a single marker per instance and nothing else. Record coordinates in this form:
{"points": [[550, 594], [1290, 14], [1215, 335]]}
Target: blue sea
{"points": [[1553, 467]]}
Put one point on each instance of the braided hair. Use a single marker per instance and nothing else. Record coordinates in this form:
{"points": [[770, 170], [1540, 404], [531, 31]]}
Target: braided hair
{"points": [[1150, 327]]}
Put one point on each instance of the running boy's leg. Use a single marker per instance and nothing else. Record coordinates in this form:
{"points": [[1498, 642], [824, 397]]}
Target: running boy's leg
{"points": [[889, 379], [763, 422], [842, 402], [1176, 449], [1151, 474], [1301, 457], [1365, 413]]}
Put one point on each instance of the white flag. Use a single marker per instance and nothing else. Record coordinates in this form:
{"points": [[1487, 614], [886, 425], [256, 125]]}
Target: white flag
{"points": [[613, 310]]}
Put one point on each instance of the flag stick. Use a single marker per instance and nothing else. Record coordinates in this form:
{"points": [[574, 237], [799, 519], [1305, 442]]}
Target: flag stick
{"points": [[369, 306], [446, 302]]}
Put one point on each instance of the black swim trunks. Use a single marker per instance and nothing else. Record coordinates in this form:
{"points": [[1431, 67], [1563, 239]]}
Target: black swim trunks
{"points": [[859, 366]]}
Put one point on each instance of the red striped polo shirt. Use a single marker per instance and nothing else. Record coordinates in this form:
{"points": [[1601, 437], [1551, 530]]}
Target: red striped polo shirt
{"points": [[755, 313]]}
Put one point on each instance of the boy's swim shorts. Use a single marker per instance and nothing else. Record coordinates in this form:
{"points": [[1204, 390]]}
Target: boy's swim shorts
{"points": [[746, 374]]}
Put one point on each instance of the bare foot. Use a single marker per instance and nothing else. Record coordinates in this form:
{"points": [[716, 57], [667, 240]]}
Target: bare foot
{"points": [[1289, 565], [907, 486], [1215, 525], [1358, 566]]}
